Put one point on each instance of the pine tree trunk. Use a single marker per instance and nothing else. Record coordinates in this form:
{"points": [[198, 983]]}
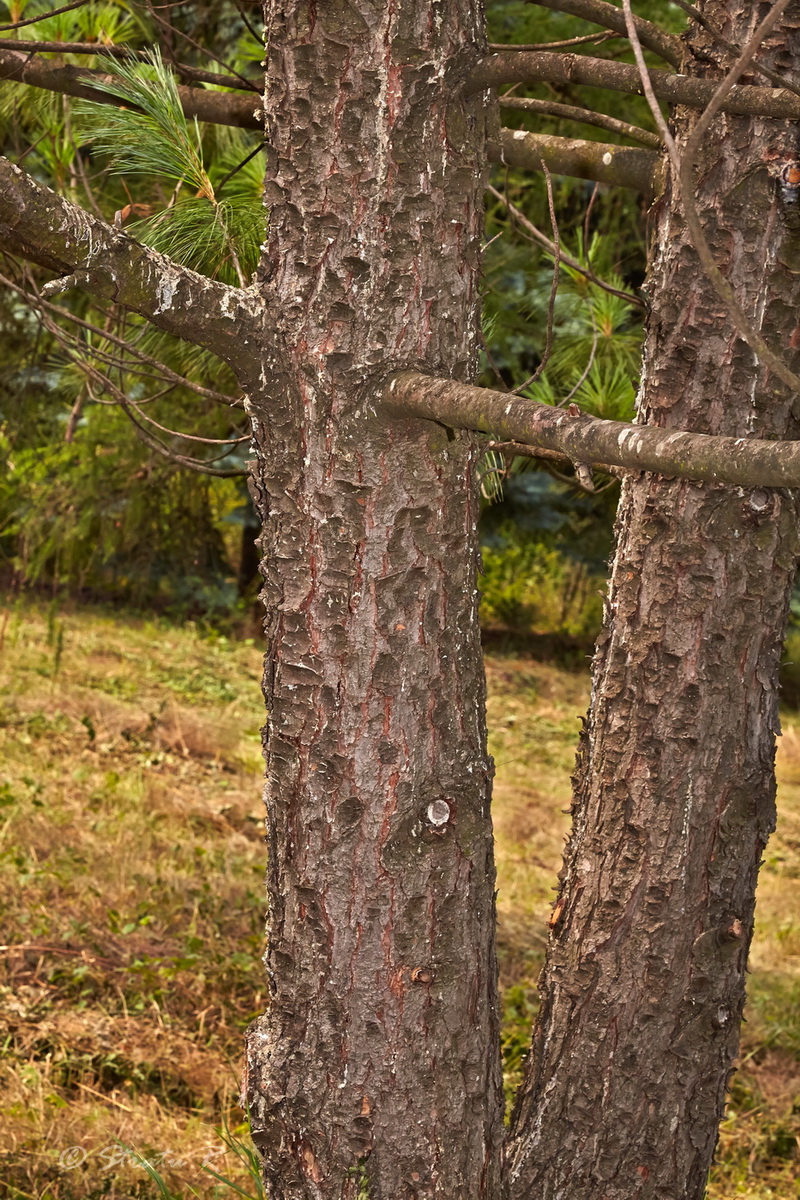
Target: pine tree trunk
{"points": [[376, 1069], [644, 985]]}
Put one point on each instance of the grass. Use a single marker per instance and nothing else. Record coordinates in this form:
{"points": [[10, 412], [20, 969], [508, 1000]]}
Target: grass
{"points": [[131, 867]]}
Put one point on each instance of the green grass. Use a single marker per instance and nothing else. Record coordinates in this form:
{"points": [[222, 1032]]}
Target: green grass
{"points": [[131, 877]]}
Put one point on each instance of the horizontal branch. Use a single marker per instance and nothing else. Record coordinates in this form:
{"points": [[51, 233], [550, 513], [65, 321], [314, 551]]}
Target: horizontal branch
{"points": [[620, 166], [214, 108], [126, 54], [42, 227], [598, 12], [742, 462], [583, 116], [44, 16], [534, 67]]}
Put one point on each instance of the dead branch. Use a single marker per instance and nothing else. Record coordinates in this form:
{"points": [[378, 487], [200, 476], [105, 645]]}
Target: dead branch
{"points": [[570, 112], [683, 168], [126, 54], [536, 235], [551, 303], [589, 39], [39, 225], [621, 166], [44, 16], [745, 99], [743, 462], [664, 44], [774, 76]]}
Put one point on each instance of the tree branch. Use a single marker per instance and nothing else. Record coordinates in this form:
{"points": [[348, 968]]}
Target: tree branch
{"points": [[126, 54], [741, 462], [518, 217], [42, 227], [622, 166], [534, 67], [664, 44], [45, 16], [585, 116], [215, 108], [683, 168]]}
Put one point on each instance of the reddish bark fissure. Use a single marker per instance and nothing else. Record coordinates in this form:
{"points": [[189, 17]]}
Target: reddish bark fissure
{"points": [[377, 1064], [674, 791]]}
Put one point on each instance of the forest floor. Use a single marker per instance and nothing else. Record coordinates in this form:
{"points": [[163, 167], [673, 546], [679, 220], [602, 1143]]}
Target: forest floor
{"points": [[131, 867]]}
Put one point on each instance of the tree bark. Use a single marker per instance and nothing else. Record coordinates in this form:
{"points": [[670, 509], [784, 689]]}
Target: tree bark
{"points": [[534, 66], [643, 989], [376, 1068]]}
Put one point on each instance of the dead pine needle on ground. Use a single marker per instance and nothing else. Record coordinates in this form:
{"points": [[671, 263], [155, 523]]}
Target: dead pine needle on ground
{"points": [[131, 882]]}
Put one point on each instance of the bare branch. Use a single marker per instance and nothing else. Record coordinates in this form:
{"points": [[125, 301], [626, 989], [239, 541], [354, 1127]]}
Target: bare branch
{"points": [[44, 16], [742, 462], [126, 54], [566, 259], [589, 39], [160, 369], [664, 44], [214, 108], [551, 303], [586, 116], [622, 166], [42, 227], [683, 167], [204, 50], [533, 67], [647, 86]]}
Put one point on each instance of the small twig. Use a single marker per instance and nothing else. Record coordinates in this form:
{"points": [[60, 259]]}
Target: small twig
{"points": [[586, 40], [644, 75], [551, 303], [587, 218], [163, 371], [203, 49], [189, 437], [683, 167], [238, 168], [599, 12], [584, 374], [126, 54], [566, 259], [55, 12], [259, 37], [513, 450], [585, 116]]}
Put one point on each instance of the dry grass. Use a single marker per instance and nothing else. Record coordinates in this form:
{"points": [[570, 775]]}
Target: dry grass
{"points": [[533, 718], [131, 864]]}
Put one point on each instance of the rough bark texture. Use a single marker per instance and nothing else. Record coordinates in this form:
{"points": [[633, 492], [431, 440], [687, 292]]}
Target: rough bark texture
{"points": [[376, 1069], [674, 790], [43, 227]]}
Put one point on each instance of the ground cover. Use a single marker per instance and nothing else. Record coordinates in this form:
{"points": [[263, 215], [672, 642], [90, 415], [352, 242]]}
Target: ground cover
{"points": [[131, 864]]}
